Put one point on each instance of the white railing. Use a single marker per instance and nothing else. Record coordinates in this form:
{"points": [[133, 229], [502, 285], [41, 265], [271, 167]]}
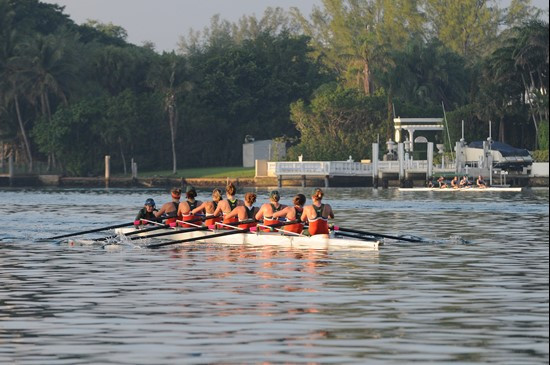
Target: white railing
{"points": [[345, 168], [322, 168]]}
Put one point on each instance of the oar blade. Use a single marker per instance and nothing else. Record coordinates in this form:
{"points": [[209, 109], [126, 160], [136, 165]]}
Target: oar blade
{"points": [[88, 231]]}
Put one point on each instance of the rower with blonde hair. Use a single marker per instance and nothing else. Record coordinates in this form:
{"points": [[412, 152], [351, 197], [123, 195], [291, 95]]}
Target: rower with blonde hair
{"points": [[209, 207], [317, 214], [227, 205]]}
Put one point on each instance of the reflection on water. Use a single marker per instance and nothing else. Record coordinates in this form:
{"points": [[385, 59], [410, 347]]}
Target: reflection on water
{"points": [[485, 301]]}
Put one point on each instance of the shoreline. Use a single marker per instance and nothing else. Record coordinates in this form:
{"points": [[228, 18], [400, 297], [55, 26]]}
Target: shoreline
{"points": [[25, 181]]}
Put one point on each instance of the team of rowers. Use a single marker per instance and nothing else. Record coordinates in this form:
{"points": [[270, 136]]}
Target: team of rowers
{"points": [[455, 183], [225, 212]]}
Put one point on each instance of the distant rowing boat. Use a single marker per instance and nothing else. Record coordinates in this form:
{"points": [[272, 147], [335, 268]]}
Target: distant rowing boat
{"points": [[267, 239], [492, 188]]}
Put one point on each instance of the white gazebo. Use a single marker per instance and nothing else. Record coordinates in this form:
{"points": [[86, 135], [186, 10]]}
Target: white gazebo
{"points": [[412, 125]]}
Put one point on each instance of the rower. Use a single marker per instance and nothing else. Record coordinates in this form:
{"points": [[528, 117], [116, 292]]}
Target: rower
{"points": [[317, 214], [209, 208], [293, 213], [170, 209], [227, 205], [480, 182], [454, 182], [245, 212], [464, 182], [147, 213], [186, 207], [441, 182], [268, 209]]}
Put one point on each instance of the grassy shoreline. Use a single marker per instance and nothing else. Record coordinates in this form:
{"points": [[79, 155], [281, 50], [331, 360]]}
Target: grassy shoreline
{"points": [[200, 172]]}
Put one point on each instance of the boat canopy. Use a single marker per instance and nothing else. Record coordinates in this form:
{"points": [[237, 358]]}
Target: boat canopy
{"points": [[505, 149]]}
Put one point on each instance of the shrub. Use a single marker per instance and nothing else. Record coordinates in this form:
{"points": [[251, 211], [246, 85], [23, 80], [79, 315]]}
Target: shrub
{"points": [[540, 155]]}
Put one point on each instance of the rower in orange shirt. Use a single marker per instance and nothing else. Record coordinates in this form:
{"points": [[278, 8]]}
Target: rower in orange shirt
{"points": [[268, 209], [227, 205], [293, 213], [245, 212], [317, 214]]}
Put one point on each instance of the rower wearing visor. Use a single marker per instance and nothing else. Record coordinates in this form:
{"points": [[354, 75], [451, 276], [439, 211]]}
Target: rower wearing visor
{"points": [[317, 214], [146, 215]]}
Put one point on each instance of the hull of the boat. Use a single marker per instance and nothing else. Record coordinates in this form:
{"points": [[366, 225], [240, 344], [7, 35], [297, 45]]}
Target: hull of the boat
{"points": [[501, 189], [261, 239]]}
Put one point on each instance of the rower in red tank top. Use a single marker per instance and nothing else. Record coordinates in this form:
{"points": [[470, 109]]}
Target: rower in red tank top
{"points": [[268, 209], [245, 212], [170, 209], [317, 214], [293, 213], [186, 207], [226, 206], [209, 208]]}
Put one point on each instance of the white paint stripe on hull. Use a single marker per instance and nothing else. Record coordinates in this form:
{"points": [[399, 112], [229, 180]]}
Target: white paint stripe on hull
{"points": [[503, 189]]}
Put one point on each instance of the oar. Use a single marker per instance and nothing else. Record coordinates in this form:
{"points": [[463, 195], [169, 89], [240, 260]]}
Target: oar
{"points": [[88, 231], [371, 238], [146, 230], [157, 245], [175, 231], [372, 234]]}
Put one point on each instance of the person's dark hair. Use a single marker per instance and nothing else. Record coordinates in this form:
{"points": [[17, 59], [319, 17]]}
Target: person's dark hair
{"points": [[299, 199], [317, 194], [176, 193], [250, 198], [230, 189]]}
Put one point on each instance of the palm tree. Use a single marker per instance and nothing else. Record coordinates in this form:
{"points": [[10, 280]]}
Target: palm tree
{"points": [[50, 67], [10, 76], [168, 78]]}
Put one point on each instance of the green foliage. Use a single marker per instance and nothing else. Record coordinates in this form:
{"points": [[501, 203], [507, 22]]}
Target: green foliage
{"points": [[540, 155], [85, 92], [339, 122], [70, 136], [543, 135]]}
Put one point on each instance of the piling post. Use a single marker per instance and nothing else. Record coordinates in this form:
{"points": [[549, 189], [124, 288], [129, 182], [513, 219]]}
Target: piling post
{"points": [[107, 170], [430, 160], [401, 159], [375, 152], [11, 171]]}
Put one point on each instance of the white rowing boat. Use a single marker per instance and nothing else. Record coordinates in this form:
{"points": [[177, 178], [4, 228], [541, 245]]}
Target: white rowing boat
{"points": [[492, 188], [262, 239]]}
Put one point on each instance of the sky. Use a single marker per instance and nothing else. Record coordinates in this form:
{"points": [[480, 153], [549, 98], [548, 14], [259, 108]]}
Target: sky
{"points": [[164, 21]]}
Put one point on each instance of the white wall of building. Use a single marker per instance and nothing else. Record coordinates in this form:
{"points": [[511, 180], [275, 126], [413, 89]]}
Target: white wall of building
{"points": [[262, 150]]}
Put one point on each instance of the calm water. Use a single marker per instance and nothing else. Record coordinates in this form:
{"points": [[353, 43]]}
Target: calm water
{"points": [[476, 302]]}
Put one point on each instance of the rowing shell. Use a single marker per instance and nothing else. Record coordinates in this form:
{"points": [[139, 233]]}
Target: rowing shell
{"points": [[493, 188], [266, 239]]}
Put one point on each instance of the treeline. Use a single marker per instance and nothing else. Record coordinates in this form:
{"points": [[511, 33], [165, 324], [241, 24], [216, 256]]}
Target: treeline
{"points": [[327, 84]]}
